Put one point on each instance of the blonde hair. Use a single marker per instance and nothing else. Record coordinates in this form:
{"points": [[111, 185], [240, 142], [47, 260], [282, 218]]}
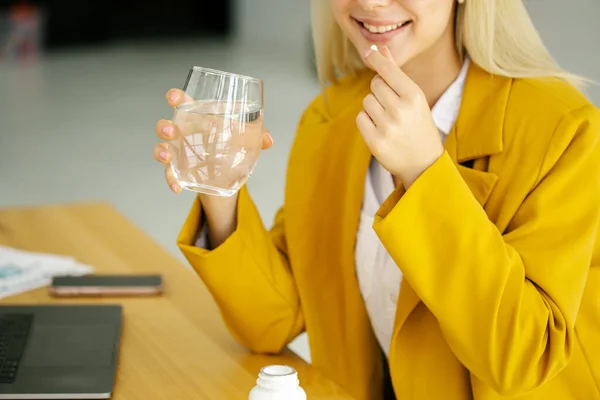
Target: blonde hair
{"points": [[498, 36]]}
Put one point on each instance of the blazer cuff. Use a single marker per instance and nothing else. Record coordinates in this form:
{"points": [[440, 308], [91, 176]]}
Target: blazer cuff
{"points": [[402, 200], [193, 237]]}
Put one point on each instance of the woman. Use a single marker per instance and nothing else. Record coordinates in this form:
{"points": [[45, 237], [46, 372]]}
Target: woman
{"points": [[441, 212]]}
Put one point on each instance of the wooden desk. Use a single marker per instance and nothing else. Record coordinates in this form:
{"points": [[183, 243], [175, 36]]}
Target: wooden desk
{"points": [[173, 347]]}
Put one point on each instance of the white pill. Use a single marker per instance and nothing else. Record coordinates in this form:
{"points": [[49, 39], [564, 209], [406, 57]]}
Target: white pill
{"points": [[374, 47]]}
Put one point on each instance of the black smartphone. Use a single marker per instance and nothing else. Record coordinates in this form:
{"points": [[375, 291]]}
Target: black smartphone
{"points": [[107, 285]]}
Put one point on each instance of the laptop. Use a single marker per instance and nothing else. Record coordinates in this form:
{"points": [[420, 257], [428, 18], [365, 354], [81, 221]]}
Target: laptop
{"points": [[58, 352]]}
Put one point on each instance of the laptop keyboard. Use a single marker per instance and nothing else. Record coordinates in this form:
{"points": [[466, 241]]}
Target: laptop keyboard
{"points": [[14, 331]]}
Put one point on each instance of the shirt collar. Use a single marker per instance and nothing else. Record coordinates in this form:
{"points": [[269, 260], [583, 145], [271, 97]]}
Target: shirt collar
{"points": [[445, 111]]}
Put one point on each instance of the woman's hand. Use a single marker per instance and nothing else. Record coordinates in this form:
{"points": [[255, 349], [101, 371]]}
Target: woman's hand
{"points": [[396, 122], [220, 212], [166, 130]]}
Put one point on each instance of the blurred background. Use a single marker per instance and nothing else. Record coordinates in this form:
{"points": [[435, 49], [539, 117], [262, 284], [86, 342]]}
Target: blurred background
{"points": [[82, 84]]}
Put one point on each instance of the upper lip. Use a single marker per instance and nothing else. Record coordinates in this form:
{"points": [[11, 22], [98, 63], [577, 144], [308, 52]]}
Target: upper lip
{"points": [[379, 22]]}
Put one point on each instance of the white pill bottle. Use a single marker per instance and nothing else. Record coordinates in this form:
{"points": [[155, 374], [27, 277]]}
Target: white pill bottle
{"points": [[277, 382]]}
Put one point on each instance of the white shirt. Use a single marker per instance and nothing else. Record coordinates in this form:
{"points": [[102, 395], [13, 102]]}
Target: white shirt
{"points": [[378, 275]]}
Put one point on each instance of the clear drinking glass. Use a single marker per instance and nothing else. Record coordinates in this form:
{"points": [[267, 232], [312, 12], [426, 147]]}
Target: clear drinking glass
{"points": [[220, 126]]}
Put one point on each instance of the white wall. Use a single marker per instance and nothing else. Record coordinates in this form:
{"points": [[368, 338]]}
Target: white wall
{"points": [[571, 31], [281, 22]]}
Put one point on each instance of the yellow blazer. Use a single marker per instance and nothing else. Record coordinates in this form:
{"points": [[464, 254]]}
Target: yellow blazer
{"points": [[497, 243]]}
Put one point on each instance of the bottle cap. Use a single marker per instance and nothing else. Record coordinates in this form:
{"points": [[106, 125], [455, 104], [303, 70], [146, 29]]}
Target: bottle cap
{"points": [[278, 377]]}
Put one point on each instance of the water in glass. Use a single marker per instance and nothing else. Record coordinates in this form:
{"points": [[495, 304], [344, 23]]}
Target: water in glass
{"points": [[217, 145]]}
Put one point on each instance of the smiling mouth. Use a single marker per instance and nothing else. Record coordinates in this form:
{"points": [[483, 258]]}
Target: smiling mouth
{"points": [[383, 28]]}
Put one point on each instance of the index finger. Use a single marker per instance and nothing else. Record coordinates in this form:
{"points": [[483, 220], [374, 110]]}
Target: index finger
{"points": [[389, 71]]}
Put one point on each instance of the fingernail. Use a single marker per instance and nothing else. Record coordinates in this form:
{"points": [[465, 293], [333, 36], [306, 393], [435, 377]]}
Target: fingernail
{"points": [[175, 188], [270, 138], [174, 96], [367, 53], [168, 131], [163, 155]]}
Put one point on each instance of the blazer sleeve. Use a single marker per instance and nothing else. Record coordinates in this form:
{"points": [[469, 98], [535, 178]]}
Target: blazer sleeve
{"points": [[506, 302], [249, 277]]}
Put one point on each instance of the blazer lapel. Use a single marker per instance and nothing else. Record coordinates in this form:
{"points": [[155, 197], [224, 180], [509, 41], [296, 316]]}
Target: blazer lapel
{"points": [[480, 122], [477, 133]]}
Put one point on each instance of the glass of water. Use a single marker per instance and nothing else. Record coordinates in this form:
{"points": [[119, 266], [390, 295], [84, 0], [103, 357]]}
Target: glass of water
{"points": [[220, 126]]}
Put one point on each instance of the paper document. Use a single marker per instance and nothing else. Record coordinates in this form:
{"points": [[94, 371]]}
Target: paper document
{"points": [[21, 271]]}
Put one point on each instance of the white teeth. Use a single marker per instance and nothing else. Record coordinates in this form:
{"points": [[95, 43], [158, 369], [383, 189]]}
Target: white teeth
{"points": [[381, 28]]}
